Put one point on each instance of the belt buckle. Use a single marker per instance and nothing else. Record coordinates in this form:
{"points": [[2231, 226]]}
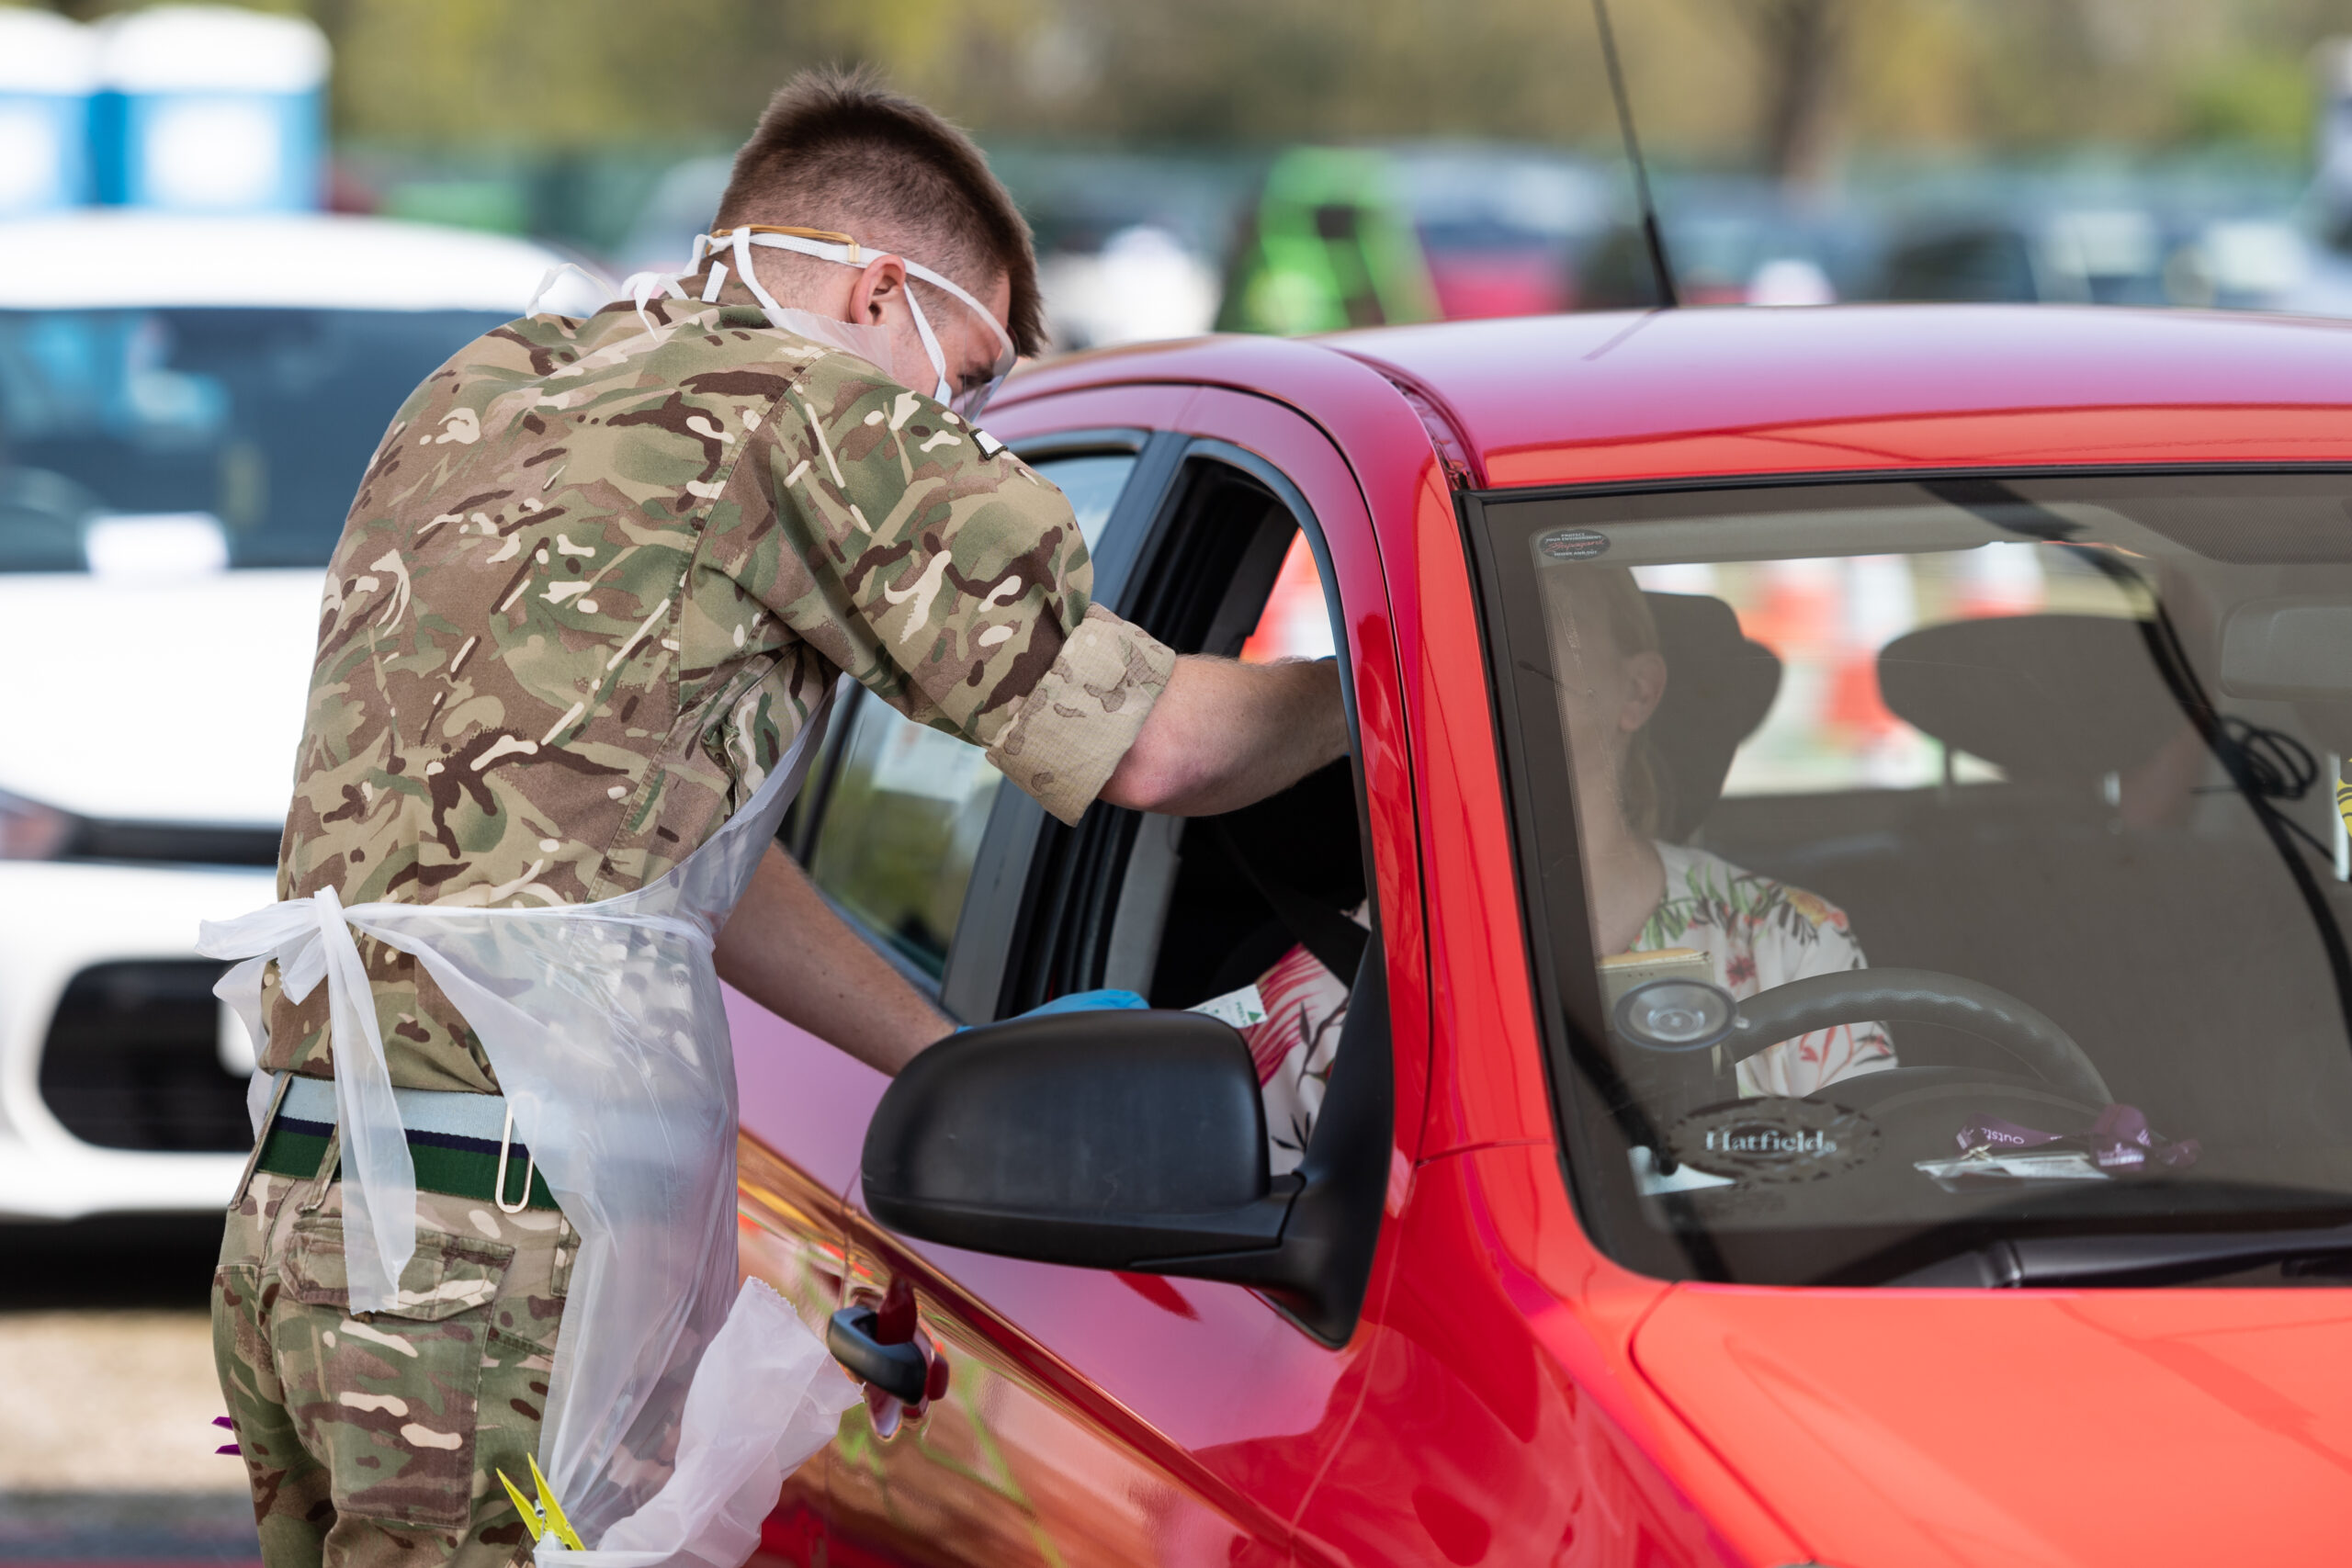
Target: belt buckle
{"points": [[530, 1170]]}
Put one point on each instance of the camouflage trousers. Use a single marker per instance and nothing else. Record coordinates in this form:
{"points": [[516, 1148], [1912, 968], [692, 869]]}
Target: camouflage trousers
{"points": [[378, 1440]]}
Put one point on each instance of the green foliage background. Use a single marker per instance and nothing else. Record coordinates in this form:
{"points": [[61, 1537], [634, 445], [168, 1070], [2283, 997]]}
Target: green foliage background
{"points": [[1999, 76]]}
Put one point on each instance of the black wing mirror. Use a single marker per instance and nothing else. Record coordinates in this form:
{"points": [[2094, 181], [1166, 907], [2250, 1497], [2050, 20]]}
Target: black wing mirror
{"points": [[1109, 1140], [1133, 1141]]}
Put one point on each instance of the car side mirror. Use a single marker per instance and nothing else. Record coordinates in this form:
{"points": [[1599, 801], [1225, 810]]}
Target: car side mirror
{"points": [[1136, 1140], [1122, 1140]]}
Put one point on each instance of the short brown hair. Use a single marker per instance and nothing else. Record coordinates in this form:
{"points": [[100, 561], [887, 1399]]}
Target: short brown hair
{"points": [[836, 150]]}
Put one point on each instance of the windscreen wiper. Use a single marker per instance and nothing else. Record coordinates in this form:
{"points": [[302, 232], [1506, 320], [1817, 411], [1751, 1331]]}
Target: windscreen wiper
{"points": [[2130, 1259]]}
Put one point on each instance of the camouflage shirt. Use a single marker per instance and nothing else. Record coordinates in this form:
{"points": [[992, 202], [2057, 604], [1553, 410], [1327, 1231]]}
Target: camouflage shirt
{"points": [[595, 579]]}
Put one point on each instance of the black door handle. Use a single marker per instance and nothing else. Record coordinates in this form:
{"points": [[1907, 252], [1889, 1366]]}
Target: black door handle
{"points": [[902, 1372]]}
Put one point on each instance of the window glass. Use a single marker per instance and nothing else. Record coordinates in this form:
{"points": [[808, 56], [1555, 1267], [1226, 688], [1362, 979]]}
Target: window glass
{"points": [[1092, 484], [909, 803], [2062, 750], [901, 826], [252, 424]]}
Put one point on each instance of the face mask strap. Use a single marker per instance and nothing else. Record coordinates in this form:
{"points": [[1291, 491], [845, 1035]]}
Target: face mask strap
{"points": [[745, 270], [1005, 351], [826, 245], [931, 348]]}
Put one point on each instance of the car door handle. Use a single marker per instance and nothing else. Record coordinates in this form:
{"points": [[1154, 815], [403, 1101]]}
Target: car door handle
{"points": [[902, 1372]]}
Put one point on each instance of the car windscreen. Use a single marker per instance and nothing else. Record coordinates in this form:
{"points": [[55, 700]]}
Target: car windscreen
{"points": [[255, 423], [1919, 871]]}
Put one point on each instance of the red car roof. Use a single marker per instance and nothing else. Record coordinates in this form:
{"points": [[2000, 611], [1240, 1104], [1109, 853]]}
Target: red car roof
{"points": [[1636, 395]]}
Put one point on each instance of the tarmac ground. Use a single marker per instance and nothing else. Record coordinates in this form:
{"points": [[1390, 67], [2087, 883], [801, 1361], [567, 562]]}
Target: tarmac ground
{"points": [[107, 1399]]}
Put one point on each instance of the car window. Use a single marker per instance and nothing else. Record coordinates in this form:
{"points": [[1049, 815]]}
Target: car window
{"points": [[1094, 484], [255, 423], [907, 805], [901, 824], [2059, 753]]}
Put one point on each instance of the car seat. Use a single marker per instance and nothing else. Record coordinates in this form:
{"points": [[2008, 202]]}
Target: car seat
{"points": [[2182, 959]]}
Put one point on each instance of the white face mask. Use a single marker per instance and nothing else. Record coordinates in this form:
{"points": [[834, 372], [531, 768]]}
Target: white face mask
{"points": [[841, 248]]}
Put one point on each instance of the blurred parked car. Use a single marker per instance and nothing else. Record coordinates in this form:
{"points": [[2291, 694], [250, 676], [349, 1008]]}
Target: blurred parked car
{"points": [[1328, 243], [1731, 242], [186, 405], [2109, 255], [1500, 226]]}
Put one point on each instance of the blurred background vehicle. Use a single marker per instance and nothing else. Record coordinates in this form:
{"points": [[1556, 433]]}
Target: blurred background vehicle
{"points": [[193, 376]]}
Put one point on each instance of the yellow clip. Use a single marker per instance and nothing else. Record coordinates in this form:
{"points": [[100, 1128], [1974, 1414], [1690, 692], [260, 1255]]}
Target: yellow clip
{"points": [[546, 1518], [523, 1506]]}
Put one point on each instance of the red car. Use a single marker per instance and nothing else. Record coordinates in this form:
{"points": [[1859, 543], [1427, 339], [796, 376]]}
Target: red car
{"points": [[1843, 1058]]}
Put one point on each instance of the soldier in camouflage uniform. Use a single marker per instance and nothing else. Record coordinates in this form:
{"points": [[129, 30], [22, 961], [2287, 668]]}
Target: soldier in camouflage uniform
{"points": [[594, 581]]}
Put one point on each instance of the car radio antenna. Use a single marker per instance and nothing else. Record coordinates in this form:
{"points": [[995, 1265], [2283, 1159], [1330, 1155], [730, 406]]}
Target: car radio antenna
{"points": [[1660, 271]]}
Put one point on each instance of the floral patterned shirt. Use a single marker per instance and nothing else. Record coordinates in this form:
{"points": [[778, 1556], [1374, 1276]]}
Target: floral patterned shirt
{"points": [[1756, 932], [1759, 933]]}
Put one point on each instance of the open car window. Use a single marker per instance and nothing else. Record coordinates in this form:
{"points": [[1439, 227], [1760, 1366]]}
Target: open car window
{"points": [[902, 806], [1919, 868], [1184, 912]]}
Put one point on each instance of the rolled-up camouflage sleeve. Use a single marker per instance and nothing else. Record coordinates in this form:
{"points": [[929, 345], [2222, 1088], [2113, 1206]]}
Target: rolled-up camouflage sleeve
{"points": [[948, 577]]}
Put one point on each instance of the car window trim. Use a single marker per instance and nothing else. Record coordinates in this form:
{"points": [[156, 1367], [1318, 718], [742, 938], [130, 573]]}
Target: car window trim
{"points": [[1779, 480], [1351, 1194], [1606, 1207], [973, 983]]}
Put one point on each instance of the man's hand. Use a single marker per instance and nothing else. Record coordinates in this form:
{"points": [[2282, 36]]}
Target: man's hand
{"points": [[1225, 734], [785, 948]]}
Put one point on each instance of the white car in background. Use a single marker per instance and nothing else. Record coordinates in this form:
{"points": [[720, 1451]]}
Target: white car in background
{"points": [[186, 405]]}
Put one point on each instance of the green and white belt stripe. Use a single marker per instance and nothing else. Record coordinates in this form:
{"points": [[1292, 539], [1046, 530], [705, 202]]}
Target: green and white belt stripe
{"points": [[461, 1144]]}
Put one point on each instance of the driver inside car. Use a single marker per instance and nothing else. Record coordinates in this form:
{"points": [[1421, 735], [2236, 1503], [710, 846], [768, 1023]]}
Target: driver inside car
{"points": [[1650, 894]]}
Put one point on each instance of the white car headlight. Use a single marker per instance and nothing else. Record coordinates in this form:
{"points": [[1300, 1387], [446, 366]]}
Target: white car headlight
{"points": [[30, 830]]}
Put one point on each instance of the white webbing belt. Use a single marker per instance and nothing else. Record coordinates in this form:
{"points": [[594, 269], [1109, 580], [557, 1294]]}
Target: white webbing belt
{"points": [[454, 1113]]}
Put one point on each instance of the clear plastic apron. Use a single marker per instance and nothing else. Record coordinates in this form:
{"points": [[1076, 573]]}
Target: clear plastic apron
{"points": [[671, 1415]]}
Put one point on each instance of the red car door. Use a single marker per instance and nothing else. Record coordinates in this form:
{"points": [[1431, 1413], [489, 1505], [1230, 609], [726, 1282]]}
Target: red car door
{"points": [[1095, 1417], [793, 1159]]}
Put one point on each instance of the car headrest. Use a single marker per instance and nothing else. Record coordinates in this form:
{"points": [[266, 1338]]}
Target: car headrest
{"points": [[2043, 697], [1719, 686]]}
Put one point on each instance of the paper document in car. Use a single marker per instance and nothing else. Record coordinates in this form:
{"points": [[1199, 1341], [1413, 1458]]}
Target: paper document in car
{"points": [[1241, 1008], [2057, 1164]]}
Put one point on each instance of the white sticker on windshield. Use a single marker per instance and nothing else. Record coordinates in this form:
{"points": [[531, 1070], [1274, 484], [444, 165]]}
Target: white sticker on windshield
{"points": [[1241, 1008], [1970, 1170]]}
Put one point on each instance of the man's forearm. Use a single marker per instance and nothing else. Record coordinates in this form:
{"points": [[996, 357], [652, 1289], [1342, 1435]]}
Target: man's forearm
{"points": [[785, 948], [1225, 734]]}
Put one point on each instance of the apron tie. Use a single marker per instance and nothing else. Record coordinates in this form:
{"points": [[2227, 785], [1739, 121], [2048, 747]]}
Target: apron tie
{"points": [[309, 939]]}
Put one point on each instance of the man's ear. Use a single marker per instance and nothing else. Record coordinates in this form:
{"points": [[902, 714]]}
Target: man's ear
{"points": [[1645, 689], [883, 282]]}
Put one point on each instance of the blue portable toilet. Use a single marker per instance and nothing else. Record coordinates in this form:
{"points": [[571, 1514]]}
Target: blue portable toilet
{"points": [[209, 108], [48, 67]]}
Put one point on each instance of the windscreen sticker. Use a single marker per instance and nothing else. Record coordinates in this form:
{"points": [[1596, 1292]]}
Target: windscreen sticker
{"points": [[1772, 1139], [1572, 543]]}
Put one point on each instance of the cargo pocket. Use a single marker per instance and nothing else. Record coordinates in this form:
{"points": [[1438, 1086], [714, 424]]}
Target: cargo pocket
{"points": [[387, 1403]]}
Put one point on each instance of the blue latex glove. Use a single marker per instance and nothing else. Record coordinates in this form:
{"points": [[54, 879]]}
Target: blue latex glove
{"points": [[1089, 1001]]}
